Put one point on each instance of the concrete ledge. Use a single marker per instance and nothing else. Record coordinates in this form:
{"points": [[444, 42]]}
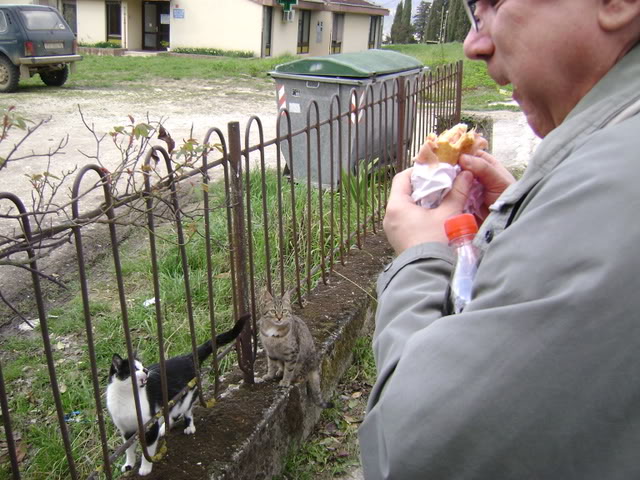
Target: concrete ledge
{"points": [[249, 431], [113, 52]]}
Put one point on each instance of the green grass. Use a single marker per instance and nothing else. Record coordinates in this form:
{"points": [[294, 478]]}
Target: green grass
{"points": [[24, 365], [332, 449], [478, 88], [96, 71]]}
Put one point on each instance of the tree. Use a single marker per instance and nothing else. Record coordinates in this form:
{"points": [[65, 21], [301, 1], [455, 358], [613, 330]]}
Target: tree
{"points": [[396, 26], [436, 20], [420, 20], [457, 22], [407, 28]]}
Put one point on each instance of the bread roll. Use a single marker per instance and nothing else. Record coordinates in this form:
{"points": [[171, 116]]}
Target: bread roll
{"points": [[450, 144]]}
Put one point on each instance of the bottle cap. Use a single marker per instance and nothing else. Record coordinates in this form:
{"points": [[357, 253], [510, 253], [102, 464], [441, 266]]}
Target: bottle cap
{"points": [[459, 225]]}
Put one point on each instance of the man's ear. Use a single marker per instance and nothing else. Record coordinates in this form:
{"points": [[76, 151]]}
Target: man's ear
{"points": [[614, 15]]}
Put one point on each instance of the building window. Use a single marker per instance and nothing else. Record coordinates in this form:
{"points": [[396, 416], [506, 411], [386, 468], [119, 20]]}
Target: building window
{"points": [[375, 31], [304, 26], [337, 32], [114, 26], [267, 22], [70, 14]]}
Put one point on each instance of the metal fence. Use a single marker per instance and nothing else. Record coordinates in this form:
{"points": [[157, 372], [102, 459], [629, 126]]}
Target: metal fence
{"points": [[250, 220]]}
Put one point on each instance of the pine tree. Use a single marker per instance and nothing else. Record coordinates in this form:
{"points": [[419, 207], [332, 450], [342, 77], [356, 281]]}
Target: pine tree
{"points": [[396, 26], [434, 25], [420, 20], [457, 22], [407, 28]]}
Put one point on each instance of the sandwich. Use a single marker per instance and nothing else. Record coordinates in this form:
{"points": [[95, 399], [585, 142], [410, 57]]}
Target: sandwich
{"points": [[450, 144]]}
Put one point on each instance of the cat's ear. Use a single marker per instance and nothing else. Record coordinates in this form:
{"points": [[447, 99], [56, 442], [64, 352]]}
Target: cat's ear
{"points": [[286, 300], [266, 300], [116, 362]]}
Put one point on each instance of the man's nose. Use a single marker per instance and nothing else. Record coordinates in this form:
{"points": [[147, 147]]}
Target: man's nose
{"points": [[478, 45]]}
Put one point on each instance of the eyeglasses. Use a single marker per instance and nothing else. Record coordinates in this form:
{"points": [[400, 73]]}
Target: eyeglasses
{"points": [[470, 8]]}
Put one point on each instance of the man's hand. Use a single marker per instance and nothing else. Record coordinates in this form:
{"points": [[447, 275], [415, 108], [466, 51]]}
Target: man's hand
{"points": [[407, 224], [490, 173]]}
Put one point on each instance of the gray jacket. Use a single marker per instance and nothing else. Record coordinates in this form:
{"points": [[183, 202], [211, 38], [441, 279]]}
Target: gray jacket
{"points": [[539, 377]]}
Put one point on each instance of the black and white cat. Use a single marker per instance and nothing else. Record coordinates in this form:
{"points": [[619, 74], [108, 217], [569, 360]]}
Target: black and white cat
{"points": [[180, 371]]}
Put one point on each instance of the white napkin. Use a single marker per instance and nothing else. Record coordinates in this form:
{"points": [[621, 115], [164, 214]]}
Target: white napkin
{"points": [[431, 183]]}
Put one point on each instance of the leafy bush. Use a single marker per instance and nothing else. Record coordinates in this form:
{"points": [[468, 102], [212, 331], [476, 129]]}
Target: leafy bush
{"points": [[215, 52], [101, 45]]}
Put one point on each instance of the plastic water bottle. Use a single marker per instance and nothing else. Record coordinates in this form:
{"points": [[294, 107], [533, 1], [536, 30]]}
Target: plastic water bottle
{"points": [[461, 230]]}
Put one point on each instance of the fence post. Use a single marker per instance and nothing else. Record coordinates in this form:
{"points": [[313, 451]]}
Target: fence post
{"points": [[401, 125], [458, 111], [241, 286]]}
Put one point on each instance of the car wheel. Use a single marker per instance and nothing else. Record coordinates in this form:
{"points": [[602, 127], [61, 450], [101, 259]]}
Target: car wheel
{"points": [[55, 78], [9, 75]]}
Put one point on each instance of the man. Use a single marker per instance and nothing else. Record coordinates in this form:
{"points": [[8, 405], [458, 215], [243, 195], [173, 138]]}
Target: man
{"points": [[539, 377]]}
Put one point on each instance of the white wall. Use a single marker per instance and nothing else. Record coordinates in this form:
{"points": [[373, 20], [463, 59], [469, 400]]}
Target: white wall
{"points": [[356, 33], [92, 21], [285, 35], [324, 46], [132, 24], [224, 24]]}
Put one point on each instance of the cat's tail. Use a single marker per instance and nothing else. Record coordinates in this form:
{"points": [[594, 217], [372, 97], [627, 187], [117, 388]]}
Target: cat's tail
{"points": [[316, 393], [206, 348]]}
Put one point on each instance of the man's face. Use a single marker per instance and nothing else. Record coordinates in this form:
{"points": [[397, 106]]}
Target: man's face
{"points": [[541, 47]]}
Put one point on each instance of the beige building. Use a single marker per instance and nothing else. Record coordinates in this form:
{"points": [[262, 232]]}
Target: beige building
{"points": [[263, 27]]}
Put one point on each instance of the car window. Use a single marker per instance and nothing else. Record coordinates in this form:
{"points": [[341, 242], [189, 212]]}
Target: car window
{"points": [[42, 20], [3, 23]]}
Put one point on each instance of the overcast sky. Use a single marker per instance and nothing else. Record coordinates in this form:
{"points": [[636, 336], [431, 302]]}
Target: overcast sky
{"points": [[391, 6]]}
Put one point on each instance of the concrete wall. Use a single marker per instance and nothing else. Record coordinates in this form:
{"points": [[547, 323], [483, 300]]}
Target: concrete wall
{"points": [[132, 24], [356, 33], [224, 24], [92, 21], [285, 34], [320, 44]]}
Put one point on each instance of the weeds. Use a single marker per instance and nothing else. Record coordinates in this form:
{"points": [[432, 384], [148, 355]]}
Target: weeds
{"points": [[332, 449]]}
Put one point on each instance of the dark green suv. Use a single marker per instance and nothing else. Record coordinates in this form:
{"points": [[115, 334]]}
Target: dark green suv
{"points": [[35, 39]]}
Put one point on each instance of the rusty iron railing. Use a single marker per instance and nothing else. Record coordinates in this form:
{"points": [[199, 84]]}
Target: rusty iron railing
{"points": [[280, 212]]}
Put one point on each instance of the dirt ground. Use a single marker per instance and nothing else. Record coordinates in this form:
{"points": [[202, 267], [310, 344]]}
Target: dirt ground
{"points": [[187, 108]]}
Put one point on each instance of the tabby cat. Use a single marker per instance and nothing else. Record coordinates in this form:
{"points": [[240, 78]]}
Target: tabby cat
{"points": [[291, 352], [180, 371]]}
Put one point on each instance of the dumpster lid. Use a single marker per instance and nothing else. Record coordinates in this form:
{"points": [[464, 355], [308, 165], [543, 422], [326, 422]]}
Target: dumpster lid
{"points": [[368, 63]]}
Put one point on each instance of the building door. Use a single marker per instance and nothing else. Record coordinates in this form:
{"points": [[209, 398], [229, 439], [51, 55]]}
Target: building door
{"points": [[114, 22], [267, 30], [155, 30], [337, 32]]}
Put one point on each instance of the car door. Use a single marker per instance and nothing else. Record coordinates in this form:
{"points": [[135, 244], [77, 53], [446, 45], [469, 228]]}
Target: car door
{"points": [[11, 41], [48, 32]]}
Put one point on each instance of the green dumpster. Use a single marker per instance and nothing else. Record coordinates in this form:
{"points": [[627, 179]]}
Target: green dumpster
{"points": [[320, 79]]}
